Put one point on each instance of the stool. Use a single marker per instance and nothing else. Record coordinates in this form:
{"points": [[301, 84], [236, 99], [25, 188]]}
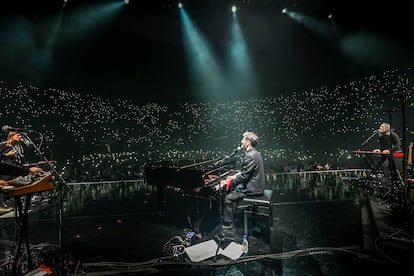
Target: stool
{"points": [[259, 206]]}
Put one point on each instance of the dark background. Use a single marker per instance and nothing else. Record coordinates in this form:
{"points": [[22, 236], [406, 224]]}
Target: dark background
{"points": [[138, 52]]}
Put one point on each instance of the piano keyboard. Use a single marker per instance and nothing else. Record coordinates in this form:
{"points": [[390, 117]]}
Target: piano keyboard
{"points": [[40, 183]]}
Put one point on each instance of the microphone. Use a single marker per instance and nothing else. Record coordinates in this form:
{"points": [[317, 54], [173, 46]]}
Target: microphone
{"points": [[227, 159], [235, 151], [376, 131], [25, 141], [9, 128]]}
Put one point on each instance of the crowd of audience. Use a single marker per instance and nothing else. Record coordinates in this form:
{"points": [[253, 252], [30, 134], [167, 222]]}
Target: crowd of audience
{"points": [[94, 138]]}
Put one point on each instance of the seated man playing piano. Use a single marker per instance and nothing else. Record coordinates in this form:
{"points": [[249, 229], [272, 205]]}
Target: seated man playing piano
{"points": [[249, 182], [389, 143]]}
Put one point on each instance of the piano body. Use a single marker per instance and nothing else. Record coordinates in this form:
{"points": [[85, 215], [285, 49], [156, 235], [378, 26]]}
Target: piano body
{"points": [[165, 174], [192, 179]]}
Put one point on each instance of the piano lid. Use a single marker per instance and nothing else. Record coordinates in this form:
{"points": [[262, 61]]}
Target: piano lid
{"points": [[183, 174]]}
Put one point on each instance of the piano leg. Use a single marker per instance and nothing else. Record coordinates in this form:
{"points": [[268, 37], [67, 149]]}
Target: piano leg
{"points": [[160, 199]]}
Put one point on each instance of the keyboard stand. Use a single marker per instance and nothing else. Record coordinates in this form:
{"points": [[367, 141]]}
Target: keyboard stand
{"points": [[21, 213], [397, 187], [21, 216], [375, 166]]}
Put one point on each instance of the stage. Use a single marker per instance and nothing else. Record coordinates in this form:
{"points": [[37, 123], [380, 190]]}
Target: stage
{"points": [[322, 225]]}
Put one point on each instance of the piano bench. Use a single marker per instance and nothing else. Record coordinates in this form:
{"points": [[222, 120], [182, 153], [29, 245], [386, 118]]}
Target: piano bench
{"points": [[254, 207]]}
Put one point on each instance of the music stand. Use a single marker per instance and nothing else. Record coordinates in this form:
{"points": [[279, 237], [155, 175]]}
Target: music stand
{"points": [[62, 183]]}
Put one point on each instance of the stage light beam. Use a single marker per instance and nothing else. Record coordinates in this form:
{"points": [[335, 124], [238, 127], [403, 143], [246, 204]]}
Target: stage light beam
{"points": [[241, 74], [207, 77]]}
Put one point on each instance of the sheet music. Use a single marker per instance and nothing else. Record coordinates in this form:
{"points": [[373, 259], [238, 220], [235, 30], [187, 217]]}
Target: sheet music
{"points": [[202, 251]]}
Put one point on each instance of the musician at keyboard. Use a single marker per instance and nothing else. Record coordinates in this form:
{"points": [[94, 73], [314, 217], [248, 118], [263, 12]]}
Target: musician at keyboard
{"points": [[250, 181], [11, 158], [389, 143]]}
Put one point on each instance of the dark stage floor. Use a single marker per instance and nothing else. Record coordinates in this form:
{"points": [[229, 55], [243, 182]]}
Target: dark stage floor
{"points": [[322, 225]]}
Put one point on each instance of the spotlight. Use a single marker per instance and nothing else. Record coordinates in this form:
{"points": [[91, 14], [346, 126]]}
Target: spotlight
{"points": [[233, 9], [126, 2], [330, 16], [180, 5], [284, 10]]}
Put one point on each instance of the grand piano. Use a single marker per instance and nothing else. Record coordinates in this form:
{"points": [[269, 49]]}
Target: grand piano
{"points": [[188, 177]]}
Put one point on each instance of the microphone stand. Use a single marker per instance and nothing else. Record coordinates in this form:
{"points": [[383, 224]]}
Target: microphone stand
{"points": [[369, 138], [403, 96], [221, 235], [396, 175], [60, 194], [222, 163], [221, 199]]}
